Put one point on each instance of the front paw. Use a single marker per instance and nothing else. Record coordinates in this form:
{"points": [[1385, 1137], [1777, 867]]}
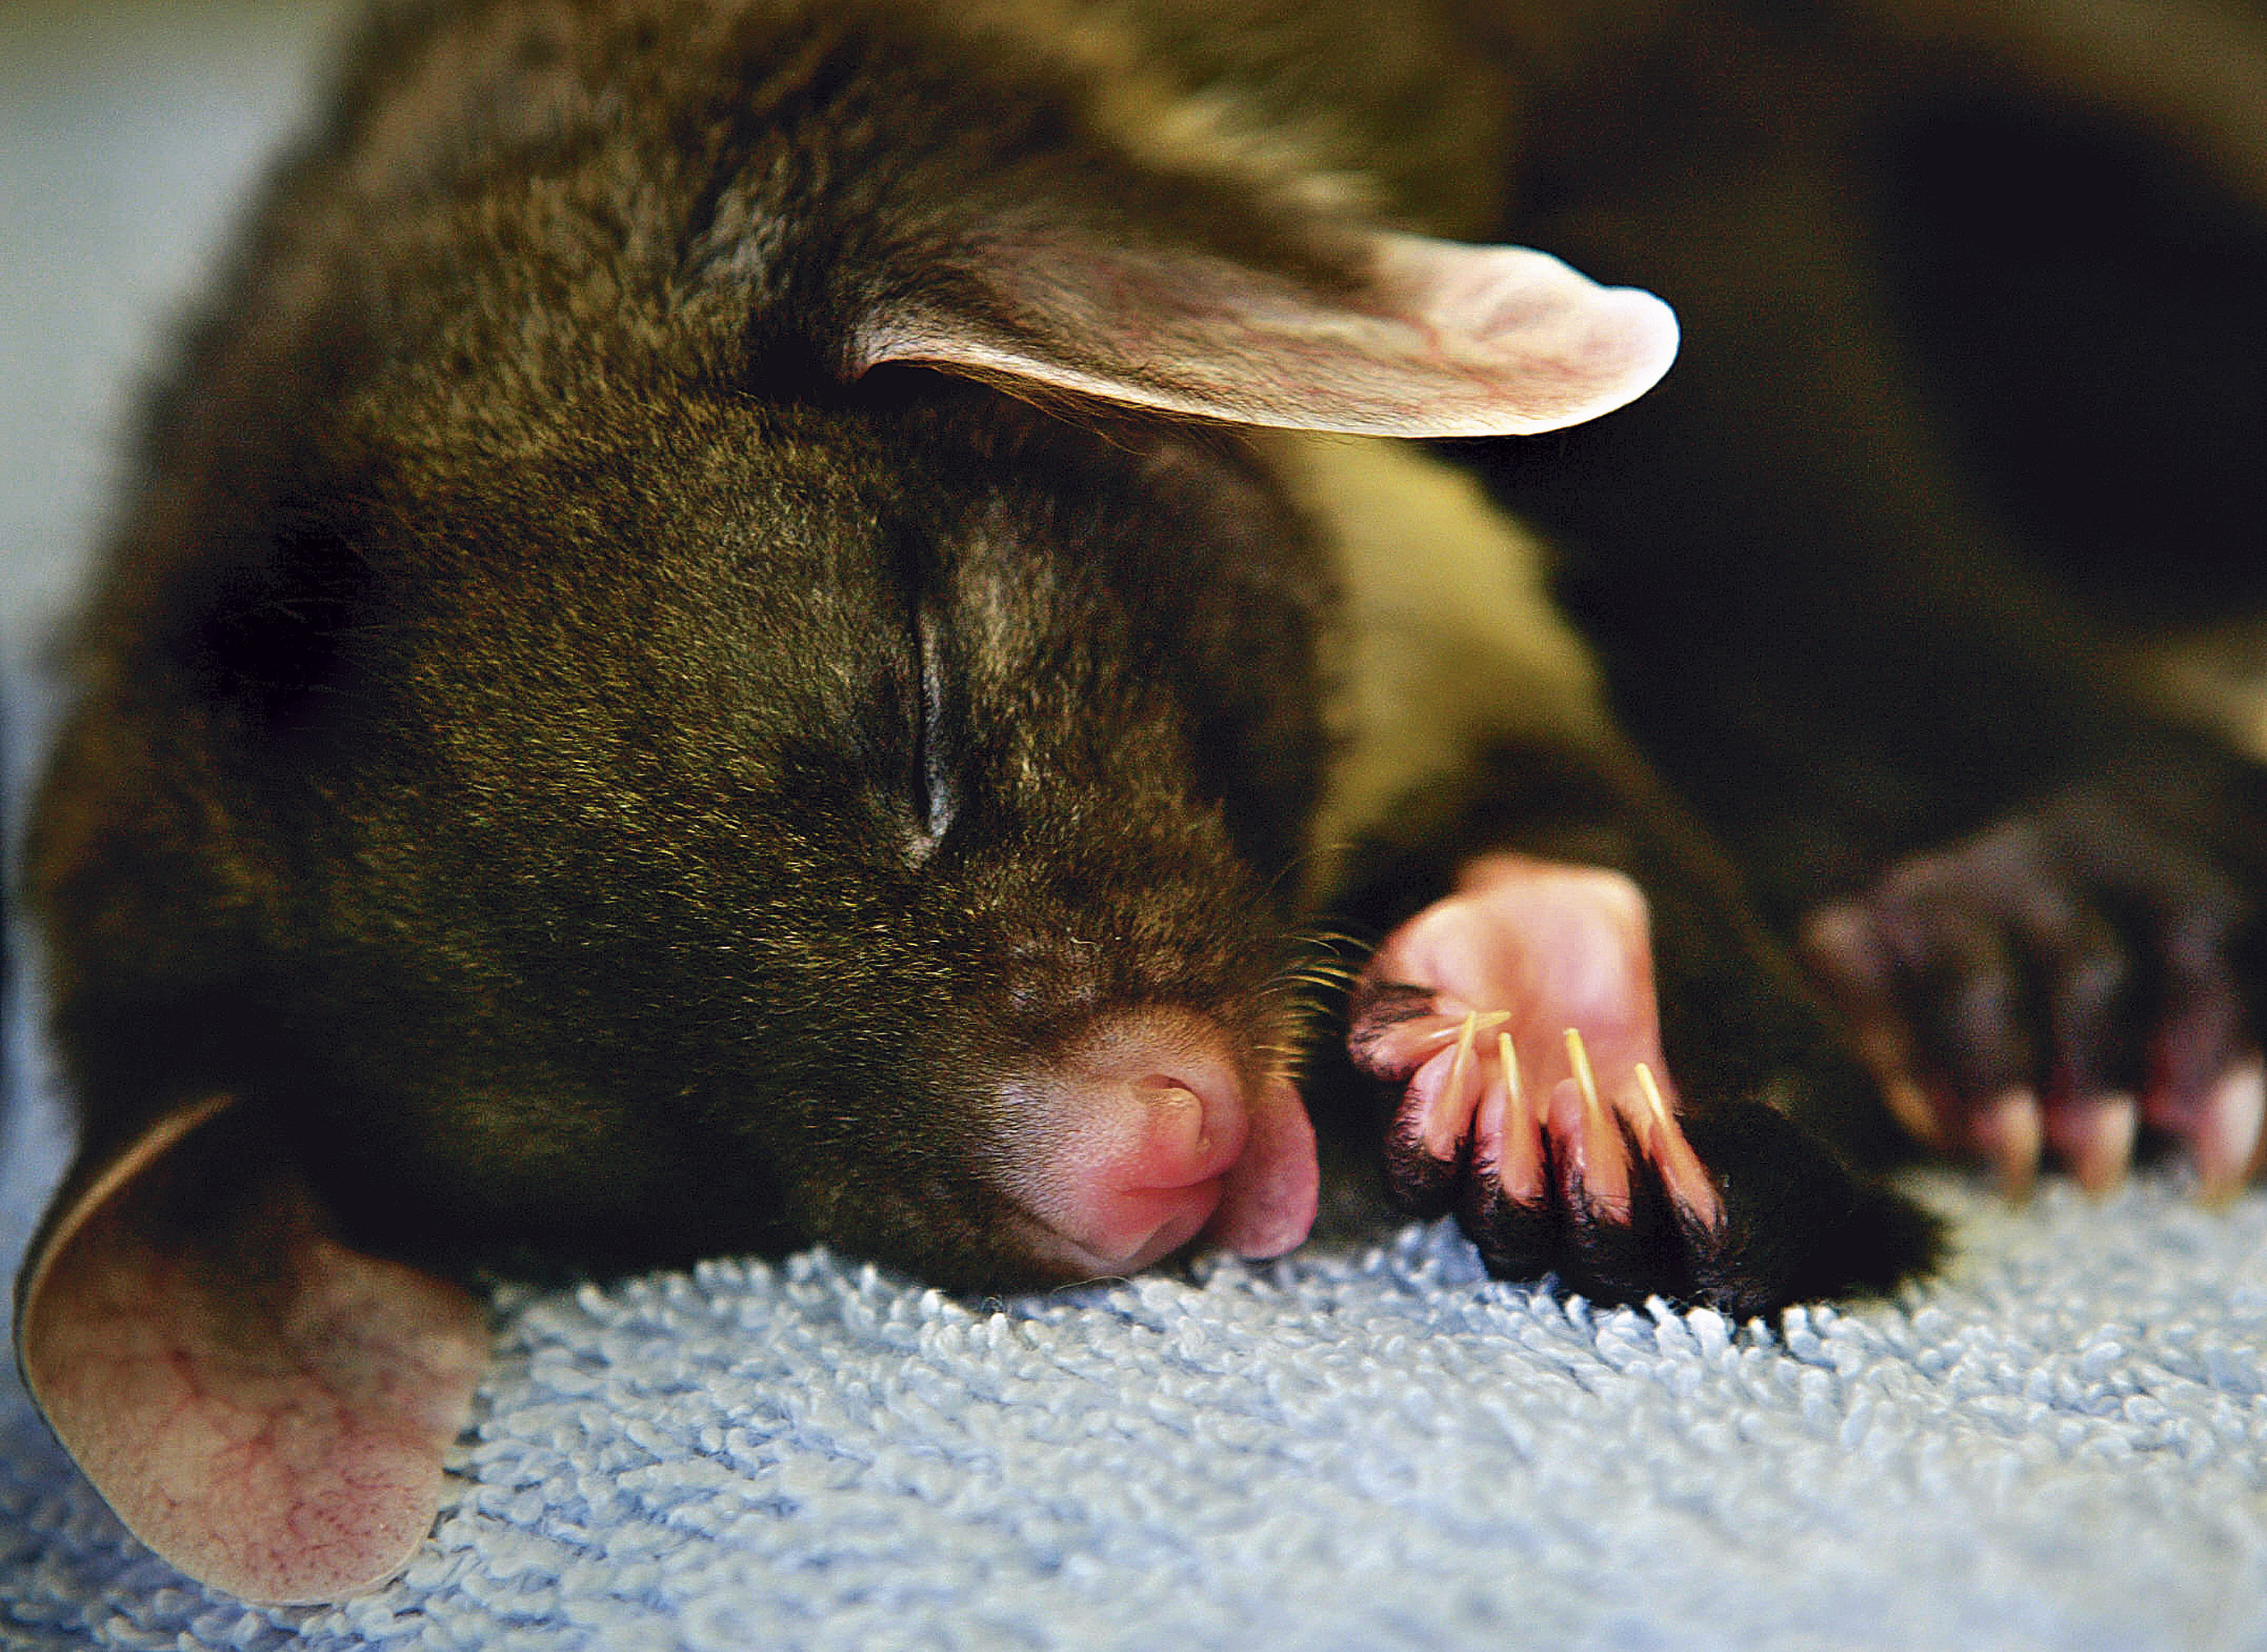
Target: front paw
{"points": [[1516, 1024], [2049, 986]]}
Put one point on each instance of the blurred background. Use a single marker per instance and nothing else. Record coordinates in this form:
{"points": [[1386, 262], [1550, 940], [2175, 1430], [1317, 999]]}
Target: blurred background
{"points": [[128, 133]]}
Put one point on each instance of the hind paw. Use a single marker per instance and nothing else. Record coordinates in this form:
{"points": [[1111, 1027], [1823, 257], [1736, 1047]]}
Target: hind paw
{"points": [[2054, 987]]}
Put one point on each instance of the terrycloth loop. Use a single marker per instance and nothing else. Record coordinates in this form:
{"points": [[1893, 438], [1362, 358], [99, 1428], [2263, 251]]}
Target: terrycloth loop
{"points": [[2058, 1446]]}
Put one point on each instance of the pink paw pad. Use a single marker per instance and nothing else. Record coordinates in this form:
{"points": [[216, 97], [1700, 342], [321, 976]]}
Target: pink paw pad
{"points": [[1518, 1013]]}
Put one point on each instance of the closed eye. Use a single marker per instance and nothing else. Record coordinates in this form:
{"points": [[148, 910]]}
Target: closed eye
{"points": [[935, 801]]}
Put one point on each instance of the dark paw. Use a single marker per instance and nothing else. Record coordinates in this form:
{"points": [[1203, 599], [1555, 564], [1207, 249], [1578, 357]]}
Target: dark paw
{"points": [[1516, 1024], [2052, 987]]}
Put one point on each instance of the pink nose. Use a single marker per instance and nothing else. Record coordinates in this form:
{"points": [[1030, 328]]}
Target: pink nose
{"points": [[1145, 1135]]}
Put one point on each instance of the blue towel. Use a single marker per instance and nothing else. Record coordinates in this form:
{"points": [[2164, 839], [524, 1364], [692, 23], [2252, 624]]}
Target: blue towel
{"points": [[2058, 1444]]}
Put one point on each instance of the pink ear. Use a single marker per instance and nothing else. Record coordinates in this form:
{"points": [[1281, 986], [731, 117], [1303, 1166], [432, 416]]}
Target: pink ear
{"points": [[262, 1406], [1442, 340]]}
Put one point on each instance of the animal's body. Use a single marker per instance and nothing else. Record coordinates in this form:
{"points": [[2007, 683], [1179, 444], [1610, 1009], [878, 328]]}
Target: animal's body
{"points": [[750, 623]]}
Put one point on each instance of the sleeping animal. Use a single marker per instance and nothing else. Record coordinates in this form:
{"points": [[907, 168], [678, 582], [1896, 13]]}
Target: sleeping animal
{"points": [[751, 622]]}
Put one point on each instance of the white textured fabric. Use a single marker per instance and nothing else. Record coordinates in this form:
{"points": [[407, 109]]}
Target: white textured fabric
{"points": [[2062, 1443]]}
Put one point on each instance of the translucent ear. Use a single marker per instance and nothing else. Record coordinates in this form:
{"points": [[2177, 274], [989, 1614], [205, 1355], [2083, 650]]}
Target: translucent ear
{"points": [[264, 1407], [1441, 339]]}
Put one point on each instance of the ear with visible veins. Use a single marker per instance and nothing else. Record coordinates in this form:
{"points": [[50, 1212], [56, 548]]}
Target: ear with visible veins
{"points": [[1437, 338], [264, 1407]]}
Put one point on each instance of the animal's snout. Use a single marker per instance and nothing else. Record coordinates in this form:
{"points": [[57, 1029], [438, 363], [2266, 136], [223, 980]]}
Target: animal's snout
{"points": [[1149, 1133]]}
